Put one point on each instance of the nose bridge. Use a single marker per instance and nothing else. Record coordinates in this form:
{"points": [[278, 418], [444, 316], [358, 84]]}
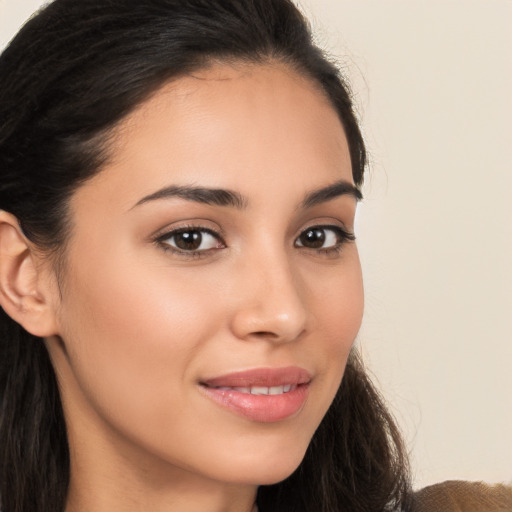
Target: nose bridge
{"points": [[272, 299]]}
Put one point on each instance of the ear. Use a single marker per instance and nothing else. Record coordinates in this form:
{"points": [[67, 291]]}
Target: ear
{"points": [[26, 291]]}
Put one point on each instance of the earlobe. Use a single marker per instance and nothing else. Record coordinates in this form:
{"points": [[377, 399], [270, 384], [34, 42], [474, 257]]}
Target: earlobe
{"points": [[25, 294]]}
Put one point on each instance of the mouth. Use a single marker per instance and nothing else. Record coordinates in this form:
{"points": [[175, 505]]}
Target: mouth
{"points": [[262, 395], [260, 390]]}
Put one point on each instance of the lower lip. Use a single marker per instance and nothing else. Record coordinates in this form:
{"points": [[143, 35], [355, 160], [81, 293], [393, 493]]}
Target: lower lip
{"points": [[261, 408]]}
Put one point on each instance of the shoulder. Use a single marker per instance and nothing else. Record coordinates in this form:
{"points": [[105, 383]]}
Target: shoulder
{"points": [[461, 496]]}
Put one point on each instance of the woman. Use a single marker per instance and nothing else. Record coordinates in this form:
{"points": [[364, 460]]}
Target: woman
{"points": [[178, 274], [218, 149]]}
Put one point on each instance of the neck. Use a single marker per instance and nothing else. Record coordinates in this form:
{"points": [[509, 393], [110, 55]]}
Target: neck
{"points": [[105, 494]]}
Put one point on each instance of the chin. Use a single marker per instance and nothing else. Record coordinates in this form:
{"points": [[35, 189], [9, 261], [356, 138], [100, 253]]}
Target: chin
{"points": [[259, 454], [259, 470], [273, 476]]}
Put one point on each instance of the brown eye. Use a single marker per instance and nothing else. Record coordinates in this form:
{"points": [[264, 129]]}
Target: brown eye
{"points": [[191, 240], [323, 238], [188, 240], [313, 238]]}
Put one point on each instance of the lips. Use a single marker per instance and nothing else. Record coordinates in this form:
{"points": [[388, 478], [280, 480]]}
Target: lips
{"points": [[262, 377], [262, 395]]}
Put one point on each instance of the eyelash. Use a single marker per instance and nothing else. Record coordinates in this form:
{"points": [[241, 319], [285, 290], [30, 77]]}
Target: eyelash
{"points": [[162, 241], [343, 236]]}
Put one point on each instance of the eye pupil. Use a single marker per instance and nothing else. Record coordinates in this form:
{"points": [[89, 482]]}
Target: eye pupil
{"points": [[188, 240], [313, 238]]}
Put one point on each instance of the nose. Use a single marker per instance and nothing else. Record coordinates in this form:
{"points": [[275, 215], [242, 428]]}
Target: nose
{"points": [[270, 302]]}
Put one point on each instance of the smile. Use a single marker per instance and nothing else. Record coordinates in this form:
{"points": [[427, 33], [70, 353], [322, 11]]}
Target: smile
{"points": [[260, 390], [261, 395]]}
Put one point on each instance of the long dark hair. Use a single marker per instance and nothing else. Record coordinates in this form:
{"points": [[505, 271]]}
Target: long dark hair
{"points": [[69, 76]]}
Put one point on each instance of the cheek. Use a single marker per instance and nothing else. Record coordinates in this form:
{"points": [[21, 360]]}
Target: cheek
{"points": [[337, 299], [128, 298], [132, 331]]}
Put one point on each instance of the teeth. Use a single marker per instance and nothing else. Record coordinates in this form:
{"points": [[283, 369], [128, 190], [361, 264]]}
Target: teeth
{"points": [[256, 390], [243, 390], [261, 390]]}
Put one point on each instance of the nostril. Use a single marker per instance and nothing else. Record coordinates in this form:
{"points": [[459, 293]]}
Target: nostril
{"points": [[266, 334], [272, 317]]}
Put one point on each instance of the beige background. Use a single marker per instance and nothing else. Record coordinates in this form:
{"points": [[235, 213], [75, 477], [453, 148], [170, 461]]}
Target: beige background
{"points": [[433, 82]]}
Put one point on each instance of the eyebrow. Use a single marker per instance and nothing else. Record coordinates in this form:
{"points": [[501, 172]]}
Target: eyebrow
{"points": [[212, 196], [322, 195], [224, 197]]}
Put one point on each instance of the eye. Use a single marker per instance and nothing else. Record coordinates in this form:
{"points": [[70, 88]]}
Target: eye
{"points": [[323, 238], [190, 240]]}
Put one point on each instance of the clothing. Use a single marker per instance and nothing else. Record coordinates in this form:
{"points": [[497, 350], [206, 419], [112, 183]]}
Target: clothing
{"points": [[461, 496]]}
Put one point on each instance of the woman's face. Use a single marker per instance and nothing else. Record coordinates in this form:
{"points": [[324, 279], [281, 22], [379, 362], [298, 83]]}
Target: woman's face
{"points": [[211, 260]]}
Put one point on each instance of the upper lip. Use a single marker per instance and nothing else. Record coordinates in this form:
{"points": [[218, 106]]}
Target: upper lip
{"points": [[264, 377]]}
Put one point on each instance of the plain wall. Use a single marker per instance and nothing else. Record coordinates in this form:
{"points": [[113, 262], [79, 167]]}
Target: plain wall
{"points": [[432, 82]]}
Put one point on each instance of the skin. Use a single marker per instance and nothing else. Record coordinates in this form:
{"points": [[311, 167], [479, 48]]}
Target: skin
{"points": [[138, 326]]}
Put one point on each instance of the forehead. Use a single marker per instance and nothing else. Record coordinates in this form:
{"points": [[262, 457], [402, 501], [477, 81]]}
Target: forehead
{"points": [[229, 126]]}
